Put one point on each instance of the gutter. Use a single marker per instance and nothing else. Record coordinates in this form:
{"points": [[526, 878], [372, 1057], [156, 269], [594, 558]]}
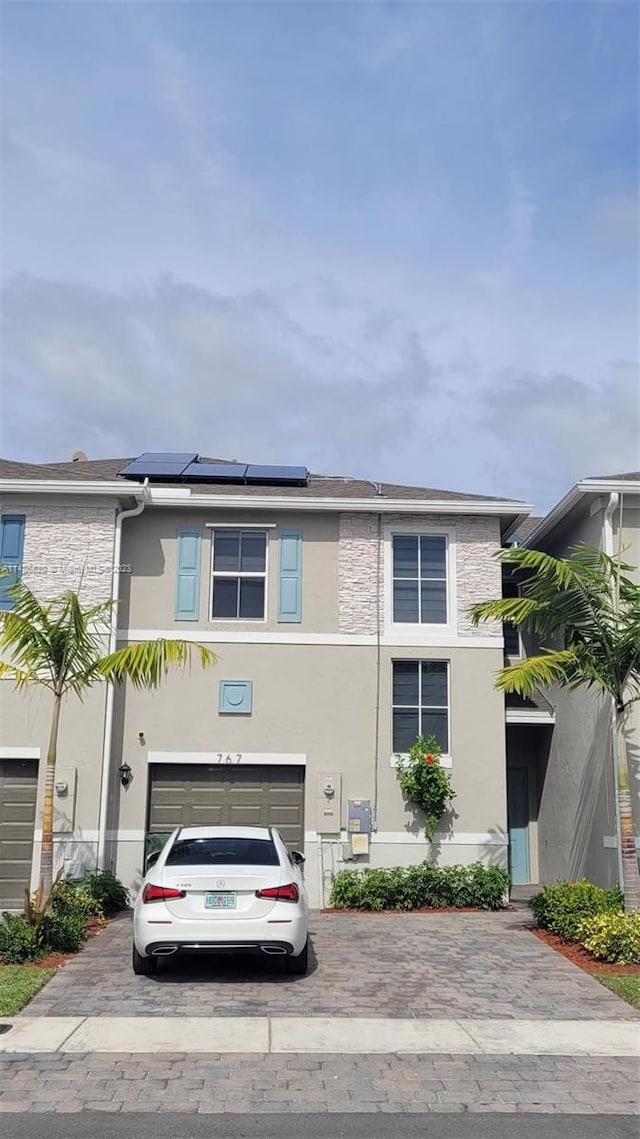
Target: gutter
{"points": [[608, 547], [105, 776]]}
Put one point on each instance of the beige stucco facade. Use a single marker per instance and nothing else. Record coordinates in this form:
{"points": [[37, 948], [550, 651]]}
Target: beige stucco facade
{"points": [[315, 681]]}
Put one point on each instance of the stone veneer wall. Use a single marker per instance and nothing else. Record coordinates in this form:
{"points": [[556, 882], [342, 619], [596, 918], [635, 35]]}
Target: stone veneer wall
{"points": [[68, 546], [478, 573]]}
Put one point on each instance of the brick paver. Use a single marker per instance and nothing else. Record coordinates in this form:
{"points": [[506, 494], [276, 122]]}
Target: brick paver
{"points": [[400, 965], [230, 1083]]}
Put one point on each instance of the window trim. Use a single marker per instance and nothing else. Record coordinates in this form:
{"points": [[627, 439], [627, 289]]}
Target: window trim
{"points": [[250, 529], [446, 755], [428, 530]]}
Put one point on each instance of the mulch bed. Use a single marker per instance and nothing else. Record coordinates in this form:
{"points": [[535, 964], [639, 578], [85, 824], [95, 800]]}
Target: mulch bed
{"points": [[580, 956], [58, 960], [421, 910]]}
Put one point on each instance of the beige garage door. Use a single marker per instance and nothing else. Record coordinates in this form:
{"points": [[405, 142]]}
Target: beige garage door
{"points": [[18, 787], [198, 795]]}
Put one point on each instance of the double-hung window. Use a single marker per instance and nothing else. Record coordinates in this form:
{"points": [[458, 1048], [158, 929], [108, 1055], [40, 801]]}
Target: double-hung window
{"points": [[420, 702], [419, 579], [239, 571]]}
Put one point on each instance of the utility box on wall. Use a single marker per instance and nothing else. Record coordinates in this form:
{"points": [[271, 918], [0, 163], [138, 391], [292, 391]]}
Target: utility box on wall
{"points": [[359, 816], [64, 800], [329, 804]]}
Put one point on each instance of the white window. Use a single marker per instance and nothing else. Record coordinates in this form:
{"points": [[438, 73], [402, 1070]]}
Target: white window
{"points": [[420, 579], [420, 703], [239, 573]]}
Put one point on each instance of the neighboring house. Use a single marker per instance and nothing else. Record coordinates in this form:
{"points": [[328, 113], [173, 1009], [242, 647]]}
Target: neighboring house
{"points": [[560, 747], [340, 612]]}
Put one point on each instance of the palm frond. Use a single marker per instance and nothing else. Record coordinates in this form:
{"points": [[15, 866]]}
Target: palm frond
{"points": [[528, 675], [146, 663], [22, 678]]}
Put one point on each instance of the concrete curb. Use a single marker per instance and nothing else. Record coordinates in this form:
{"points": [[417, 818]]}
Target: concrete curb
{"points": [[328, 1035]]}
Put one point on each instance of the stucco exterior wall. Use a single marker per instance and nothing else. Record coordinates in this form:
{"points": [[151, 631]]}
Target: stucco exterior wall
{"points": [[319, 701], [25, 719], [577, 823], [149, 545]]}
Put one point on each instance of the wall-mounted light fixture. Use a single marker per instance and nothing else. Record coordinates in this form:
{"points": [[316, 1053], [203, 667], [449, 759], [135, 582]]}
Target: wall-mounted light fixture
{"points": [[62, 786], [125, 773], [141, 739]]}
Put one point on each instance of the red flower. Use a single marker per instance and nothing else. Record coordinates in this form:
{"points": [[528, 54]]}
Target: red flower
{"points": [[430, 759]]}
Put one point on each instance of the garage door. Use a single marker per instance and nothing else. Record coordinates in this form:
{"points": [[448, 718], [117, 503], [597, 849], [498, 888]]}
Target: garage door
{"points": [[196, 795], [18, 787]]}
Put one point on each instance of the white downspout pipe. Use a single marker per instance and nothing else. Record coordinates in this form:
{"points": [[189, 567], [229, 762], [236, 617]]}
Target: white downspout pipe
{"points": [[608, 546], [105, 777]]}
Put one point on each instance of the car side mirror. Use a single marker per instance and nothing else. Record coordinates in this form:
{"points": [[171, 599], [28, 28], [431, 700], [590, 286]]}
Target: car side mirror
{"points": [[152, 859], [297, 857]]}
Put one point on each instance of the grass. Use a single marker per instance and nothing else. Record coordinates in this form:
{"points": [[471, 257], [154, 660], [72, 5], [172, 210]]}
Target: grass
{"points": [[18, 985], [626, 986]]}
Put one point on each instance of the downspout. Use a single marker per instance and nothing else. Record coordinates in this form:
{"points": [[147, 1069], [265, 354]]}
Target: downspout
{"points": [[607, 542], [376, 754], [105, 777]]}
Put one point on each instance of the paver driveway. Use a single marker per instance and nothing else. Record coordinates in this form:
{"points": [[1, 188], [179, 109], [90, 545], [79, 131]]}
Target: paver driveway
{"points": [[396, 965]]}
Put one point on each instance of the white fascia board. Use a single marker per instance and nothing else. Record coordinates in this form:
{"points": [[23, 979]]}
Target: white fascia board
{"points": [[342, 505], [577, 492], [63, 486], [179, 496]]}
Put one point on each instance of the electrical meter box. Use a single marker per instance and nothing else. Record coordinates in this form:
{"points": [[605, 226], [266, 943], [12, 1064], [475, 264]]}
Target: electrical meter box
{"points": [[329, 804], [359, 816]]}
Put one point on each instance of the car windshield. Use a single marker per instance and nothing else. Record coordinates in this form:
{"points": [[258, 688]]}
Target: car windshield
{"points": [[223, 852]]}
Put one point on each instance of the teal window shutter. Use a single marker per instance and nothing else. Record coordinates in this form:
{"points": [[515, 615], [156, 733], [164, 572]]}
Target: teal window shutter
{"points": [[188, 583], [11, 550], [290, 583]]}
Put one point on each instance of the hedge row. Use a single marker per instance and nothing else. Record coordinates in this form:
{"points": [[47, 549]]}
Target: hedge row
{"points": [[421, 886], [592, 917]]}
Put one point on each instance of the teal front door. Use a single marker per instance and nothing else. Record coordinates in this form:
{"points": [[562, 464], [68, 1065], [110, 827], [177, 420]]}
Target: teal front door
{"points": [[518, 824]]}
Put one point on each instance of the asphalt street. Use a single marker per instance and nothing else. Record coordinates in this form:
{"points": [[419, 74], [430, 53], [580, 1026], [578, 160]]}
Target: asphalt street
{"points": [[165, 1125]]}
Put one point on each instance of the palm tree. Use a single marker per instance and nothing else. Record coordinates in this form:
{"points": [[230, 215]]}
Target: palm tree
{"points": [[61, 646], [589, 605]]}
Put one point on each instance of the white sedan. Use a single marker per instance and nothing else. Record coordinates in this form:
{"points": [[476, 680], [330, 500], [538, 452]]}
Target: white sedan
{"points": [[222, 890]]}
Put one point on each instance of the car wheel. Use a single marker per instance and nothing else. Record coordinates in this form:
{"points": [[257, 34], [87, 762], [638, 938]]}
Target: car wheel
{"points": [[298, 965], [143, 966]]}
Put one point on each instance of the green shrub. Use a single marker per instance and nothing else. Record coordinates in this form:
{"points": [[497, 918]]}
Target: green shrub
{"points": [[18, 940], [107, 891], [68, 896], [63, 932], [613, 937], [562, 907], [423, 885]]}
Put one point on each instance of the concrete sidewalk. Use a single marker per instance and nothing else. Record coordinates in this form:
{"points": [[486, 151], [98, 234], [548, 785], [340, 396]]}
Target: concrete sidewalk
{"points": [[322, 1035]]}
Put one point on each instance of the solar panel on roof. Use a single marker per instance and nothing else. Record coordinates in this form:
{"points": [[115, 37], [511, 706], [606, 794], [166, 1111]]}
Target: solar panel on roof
{"points": [[183, 457], [158, 465], [215, 472], [272, 474]]}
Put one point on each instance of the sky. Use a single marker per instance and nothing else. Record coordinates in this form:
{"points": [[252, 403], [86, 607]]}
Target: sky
{"points": [[391, 240]]}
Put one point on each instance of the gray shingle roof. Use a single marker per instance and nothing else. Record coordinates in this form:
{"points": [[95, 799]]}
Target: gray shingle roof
{"points": [[319, 486]]}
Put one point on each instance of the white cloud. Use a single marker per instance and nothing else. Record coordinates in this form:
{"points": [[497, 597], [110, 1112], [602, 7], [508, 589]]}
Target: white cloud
{"points": [[175, 366]]}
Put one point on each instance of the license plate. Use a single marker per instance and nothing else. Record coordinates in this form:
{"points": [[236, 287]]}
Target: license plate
{"points": [[220, 901]]}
